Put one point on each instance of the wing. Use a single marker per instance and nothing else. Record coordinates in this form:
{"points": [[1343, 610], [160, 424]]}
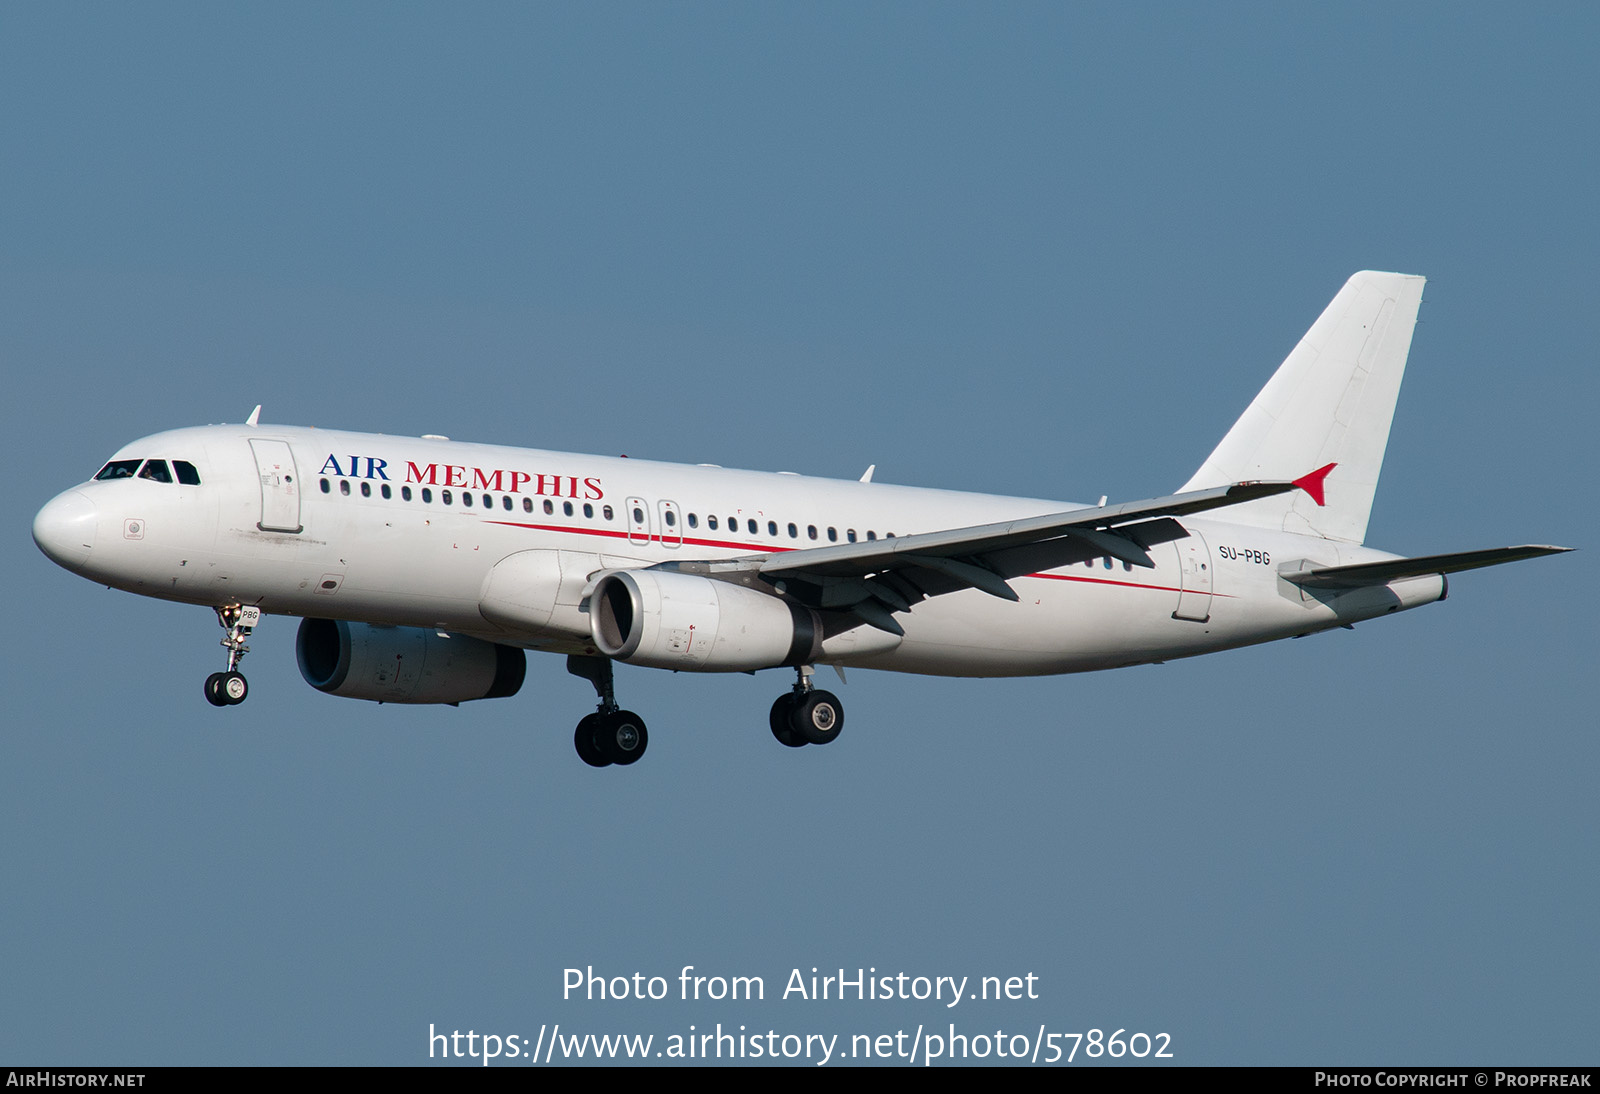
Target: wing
{"points": [[871, 580]]}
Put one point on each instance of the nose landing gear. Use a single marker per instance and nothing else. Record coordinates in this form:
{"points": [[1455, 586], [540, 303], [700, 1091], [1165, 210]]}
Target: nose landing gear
{"points": [[226, 689]]}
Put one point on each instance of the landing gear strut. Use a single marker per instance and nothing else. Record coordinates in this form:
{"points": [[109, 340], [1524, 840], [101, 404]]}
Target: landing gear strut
{"points": [[806, 715], [610, 735], [226, 689]]}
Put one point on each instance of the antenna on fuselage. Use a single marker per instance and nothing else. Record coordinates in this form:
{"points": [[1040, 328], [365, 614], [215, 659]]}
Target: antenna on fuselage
{"points": [[868, 476], [255, 416]]}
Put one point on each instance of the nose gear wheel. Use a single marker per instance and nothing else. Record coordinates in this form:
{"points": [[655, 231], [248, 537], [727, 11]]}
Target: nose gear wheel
{"points": [[227, 689]]}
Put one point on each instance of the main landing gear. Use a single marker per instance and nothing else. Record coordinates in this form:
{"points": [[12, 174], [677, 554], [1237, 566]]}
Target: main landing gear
{"points": [[806, 715], [227, 689], [803, 716], [610, 735]]}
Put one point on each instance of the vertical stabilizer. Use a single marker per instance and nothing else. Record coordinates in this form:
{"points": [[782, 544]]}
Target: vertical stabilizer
{"points": [[1330, 402]]}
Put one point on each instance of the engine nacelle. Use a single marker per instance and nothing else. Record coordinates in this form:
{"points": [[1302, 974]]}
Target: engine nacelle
{"points": [[404, 664], [683, 621]]}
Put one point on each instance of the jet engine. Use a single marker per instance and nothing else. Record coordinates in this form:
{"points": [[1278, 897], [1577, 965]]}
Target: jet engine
{"points": [[669, 620], [404, 664]]}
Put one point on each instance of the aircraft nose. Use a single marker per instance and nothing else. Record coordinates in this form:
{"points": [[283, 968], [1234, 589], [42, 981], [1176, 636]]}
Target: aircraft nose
{"points": [[64, 529]]}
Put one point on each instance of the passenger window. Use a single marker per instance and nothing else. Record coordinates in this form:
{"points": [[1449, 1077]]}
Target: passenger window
{"points": [[488, 501], [794, 533], [850, 534], [638, 515], [588, 511], [833, 534], [344, 487], [711, 522], [366, 490], [427, 496], [811, 531], [871, 534], [156, 471], [549, 507], [527, 505], [671, 518], [772, 528], [505, 503], [606, 512], [466, 499], [187, 475], [117, 469], [566, 507], [694, 521], [385, 491], [446, 497], [326, 487], [405, 493]]}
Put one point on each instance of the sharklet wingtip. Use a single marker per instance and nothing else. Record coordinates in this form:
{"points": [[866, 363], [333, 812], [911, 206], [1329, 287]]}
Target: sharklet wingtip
{"points": [[1313, 483]]}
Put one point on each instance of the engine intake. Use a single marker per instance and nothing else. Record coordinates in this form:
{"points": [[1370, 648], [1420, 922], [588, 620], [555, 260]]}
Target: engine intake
{"points": [[404, 664], [670, 620]]}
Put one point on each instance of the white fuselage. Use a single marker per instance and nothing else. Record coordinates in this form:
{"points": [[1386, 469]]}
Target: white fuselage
{"points": [[407, 531]]}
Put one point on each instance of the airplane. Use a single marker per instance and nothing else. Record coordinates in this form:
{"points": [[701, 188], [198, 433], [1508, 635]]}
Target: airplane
{"points": [[422, 569]]}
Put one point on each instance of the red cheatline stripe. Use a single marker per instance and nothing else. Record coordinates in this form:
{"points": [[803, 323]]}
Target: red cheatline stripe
{"points": [[608, 533], [1124, 584]]}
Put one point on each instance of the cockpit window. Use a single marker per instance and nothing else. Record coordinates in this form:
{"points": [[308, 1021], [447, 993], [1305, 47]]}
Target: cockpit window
{"points": [[154, 470], [117, 469]]}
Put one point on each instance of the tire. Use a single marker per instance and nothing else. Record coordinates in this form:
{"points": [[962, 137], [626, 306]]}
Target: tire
{"points": [[233, 688], [818, 717], [622, 737], [214, 694], [583, 739], [782, 710]]}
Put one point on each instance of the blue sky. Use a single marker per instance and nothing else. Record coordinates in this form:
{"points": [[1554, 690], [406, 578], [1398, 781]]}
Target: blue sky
{"points": [[1049, 250]]}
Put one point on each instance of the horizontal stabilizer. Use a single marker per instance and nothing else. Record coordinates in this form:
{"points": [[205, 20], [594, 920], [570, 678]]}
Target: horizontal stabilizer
{"points": [[1381, 573]]}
